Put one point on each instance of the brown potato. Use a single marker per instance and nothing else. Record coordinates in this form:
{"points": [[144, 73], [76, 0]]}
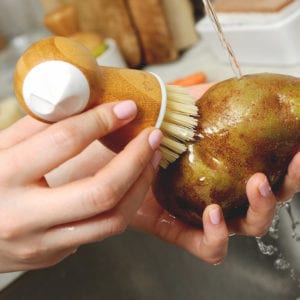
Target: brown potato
{"points": [[245, 126]]}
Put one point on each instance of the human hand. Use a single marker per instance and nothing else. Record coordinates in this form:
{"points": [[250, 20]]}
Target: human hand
{"points": [[42, 225], [210, 243]]}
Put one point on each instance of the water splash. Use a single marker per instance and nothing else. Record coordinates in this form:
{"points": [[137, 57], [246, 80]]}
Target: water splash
{"points": [[294, 223], [274, 228], [281, 263], [264, 248]]}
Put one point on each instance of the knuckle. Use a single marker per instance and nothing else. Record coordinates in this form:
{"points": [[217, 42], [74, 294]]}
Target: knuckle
{"points": [[103, 197], [102, 119], [27, 253], [10, 231], [64, 136], [118, 224]]}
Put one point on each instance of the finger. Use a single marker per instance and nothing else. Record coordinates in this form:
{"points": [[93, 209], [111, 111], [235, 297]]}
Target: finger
{"points": [[20, 130], [198, 90], [91, 196], [213, 247], [261, 210], [291, 183], [86, 164], [65, 139], [152, 218], [31, 259], [107, 224]]}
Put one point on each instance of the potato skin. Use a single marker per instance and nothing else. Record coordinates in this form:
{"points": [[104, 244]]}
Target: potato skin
{"points": [[245, 126]]}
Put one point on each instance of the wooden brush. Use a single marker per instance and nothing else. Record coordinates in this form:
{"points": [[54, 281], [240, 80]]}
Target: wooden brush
{"points": [[58, 77]]}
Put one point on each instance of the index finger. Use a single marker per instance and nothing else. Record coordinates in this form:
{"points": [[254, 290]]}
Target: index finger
{"points": [[62, 141]]}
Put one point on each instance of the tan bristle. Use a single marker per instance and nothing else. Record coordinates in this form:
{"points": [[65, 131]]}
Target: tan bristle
{"points": [[179, 119], [178, 125], [179, 132]]}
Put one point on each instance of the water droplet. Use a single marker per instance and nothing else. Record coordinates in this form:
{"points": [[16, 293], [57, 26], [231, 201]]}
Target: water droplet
{"points": [[202, 179], [265, 249], [281, 264], [274, 229], [294, 223]]}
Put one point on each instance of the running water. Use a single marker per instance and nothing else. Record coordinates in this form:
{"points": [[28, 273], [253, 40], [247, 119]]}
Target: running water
{"points": [[294, 223], [210, 11], [280, 262]]}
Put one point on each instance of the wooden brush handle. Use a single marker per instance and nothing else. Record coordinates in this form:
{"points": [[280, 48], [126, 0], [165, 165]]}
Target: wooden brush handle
{"points": [[106, 84]]}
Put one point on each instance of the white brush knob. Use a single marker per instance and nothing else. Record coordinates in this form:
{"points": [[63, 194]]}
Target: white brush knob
{"points": [[54, 90]]}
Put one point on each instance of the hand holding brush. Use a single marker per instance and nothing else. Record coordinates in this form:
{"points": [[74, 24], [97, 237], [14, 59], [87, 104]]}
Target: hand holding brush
{"points": [[58, 77]]}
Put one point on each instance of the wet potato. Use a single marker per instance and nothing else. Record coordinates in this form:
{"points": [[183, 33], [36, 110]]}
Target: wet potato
{"points": [[245, 126]]}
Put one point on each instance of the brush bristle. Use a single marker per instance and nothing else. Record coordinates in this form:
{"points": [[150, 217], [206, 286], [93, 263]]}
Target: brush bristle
{"points": [[178, 125]]}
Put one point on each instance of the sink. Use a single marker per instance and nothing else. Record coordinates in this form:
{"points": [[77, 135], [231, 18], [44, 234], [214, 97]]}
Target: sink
{"points": [[137, 266]]}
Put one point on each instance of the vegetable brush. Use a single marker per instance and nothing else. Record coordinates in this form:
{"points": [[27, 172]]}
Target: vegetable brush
{"points": [[58, 77]]}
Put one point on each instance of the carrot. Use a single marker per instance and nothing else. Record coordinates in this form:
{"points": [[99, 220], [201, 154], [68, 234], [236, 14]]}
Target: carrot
{"points": [[195, 78]]}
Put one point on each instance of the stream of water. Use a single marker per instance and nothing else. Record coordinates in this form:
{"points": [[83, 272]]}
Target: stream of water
{"points": [[281, 263]]}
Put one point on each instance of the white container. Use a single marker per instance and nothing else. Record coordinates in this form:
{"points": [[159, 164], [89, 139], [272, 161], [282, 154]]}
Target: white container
{"points": [[257, 38], [112, 56]]}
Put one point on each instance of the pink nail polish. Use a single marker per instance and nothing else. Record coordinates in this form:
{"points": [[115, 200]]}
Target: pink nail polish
{"points": [[265, 189], [155, 138], [125, 109], [215, 216]]}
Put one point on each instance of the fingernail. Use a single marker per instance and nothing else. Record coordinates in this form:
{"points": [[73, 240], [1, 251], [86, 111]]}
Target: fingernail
{"points": [[156, 159], [125, 109], [265, 189], [155, 138], [215, 216]]}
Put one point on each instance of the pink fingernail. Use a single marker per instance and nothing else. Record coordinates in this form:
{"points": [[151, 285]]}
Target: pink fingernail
{"points": [[215, 216], [156, 159], [125, 109], [155, 138], [265, 189]]}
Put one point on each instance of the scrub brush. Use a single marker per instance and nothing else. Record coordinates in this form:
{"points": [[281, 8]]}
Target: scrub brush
{"points": [[58, 77]]}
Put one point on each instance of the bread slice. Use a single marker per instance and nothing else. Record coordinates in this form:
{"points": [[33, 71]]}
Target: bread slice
{"points": [[153, 31], [258, 6], [181, 21]]}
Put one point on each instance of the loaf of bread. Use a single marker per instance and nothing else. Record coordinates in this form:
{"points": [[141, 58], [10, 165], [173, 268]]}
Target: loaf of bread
{"points": [[258, 6], [153, 30], [110, 18], [181, 21]]}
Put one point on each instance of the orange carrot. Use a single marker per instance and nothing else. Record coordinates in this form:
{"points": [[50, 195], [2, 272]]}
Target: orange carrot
{"points": [[195, 78]]}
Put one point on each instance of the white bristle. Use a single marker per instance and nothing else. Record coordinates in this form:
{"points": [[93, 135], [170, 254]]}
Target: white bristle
{"points": [[179, 132], [180, 119], [178, 124], [176, 146], [186, 109]]}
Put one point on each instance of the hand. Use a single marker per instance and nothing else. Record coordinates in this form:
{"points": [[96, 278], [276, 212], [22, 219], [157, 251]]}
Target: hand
{"points": [[210, 244], [39, 225]]}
